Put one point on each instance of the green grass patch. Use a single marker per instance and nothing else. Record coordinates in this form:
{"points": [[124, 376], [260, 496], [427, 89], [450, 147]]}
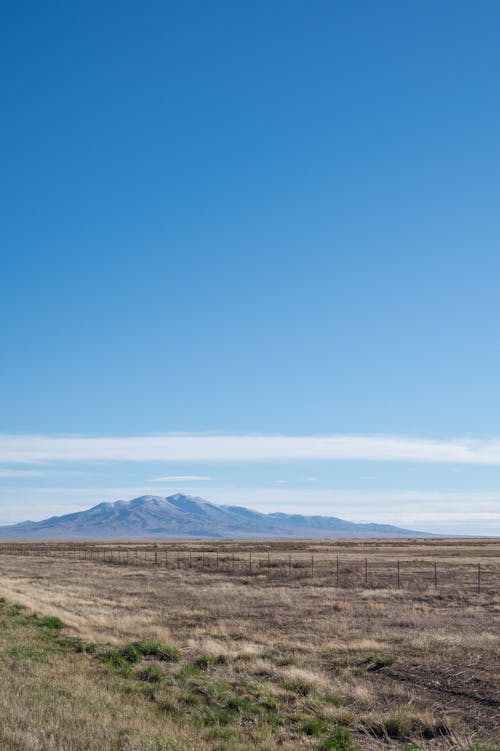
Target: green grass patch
{"points": [[115, 658], [160, 651], [338, 739], [314, 727], [131, 653], [30, 652], [186, 673], [204, 662], [150, 674], [72, 644], [51, 622]]}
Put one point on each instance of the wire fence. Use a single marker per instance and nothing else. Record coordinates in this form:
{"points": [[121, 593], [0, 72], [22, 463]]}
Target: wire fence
{"points": [[338, 570]]}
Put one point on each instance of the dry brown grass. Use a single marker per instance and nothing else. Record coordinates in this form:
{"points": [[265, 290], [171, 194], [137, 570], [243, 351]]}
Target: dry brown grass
{"points": [[303, 644]]}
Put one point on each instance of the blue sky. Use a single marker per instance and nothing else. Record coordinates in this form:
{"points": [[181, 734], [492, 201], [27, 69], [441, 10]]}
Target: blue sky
{"points": [[252, 219]]}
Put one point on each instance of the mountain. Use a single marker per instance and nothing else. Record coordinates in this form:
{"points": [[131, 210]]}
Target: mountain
{"points": [[186, 517]]}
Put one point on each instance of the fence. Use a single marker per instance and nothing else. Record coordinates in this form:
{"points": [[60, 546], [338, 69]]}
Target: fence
{"points": [[341, 571]]}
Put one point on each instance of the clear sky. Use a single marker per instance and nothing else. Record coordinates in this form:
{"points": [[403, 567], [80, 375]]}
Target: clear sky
{"points": [[252, 219]]}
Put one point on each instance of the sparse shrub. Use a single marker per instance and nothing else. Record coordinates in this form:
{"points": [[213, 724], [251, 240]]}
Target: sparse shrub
{"points": [[151, 674]]}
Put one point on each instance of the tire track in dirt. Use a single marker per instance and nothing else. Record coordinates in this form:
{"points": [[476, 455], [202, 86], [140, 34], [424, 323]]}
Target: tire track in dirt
{"points": [[439, 686], [478, 709]]}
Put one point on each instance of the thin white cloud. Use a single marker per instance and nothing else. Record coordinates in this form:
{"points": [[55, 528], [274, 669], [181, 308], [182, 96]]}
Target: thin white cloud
{"points": [[182, 478], [21, 472], [247, 448]]}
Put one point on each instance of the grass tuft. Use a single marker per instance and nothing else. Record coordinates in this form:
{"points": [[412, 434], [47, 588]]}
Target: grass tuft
{"points": [[151, 674], [48, 621], [338, 739], [315, 728], [131, 654], [204, 662], [377, 662], [162, 652]]}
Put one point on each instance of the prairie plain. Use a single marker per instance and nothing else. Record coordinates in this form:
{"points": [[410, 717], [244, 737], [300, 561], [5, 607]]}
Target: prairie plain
{"points": [[262, 645]]}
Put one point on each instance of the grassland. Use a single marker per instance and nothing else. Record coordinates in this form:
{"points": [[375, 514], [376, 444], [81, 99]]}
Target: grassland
{"points": [[180, 658]]}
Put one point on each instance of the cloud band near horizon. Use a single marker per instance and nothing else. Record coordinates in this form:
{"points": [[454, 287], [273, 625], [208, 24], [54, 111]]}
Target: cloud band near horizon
{"points": [[36, 449]]}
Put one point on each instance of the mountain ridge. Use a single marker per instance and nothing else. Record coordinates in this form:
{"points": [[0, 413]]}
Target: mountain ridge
{"points": [[182, 516]]}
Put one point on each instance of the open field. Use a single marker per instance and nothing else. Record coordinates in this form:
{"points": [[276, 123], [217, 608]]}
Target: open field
{"points": [[256, 659], [412, 564]]}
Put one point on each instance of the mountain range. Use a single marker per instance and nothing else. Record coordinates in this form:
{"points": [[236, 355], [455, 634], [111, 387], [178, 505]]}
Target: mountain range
{"points": [[187, 517]]}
